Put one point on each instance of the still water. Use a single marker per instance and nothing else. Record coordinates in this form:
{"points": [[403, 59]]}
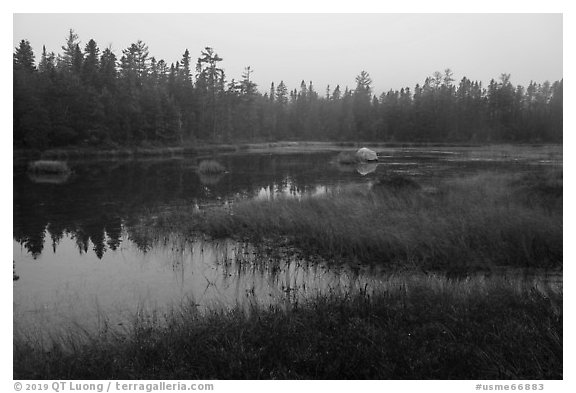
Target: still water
{"points": [[81, 259]]}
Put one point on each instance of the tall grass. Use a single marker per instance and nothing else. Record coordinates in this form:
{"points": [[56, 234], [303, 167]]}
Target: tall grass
{"points": [[469, 223], [418, 328]]}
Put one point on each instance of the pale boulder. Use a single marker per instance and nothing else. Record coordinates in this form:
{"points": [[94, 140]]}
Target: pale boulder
{"points": [[365, 154]]}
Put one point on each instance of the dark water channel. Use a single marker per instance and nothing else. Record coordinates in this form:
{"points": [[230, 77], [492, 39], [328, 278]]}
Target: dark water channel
{"points": [[80, 259]]}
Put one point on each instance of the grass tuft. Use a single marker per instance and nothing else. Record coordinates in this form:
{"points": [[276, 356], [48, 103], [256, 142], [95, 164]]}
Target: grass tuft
{"points": [[48, 167], [210, 167]]}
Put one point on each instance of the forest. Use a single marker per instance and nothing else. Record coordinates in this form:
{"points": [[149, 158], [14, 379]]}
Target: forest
{"points": [[85, 96]]}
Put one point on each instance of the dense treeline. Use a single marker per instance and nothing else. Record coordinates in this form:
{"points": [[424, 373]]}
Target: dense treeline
{"points": [[88, 96]]}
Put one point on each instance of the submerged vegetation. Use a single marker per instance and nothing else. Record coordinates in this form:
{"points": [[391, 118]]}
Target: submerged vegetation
{"points": [[417, 327]]}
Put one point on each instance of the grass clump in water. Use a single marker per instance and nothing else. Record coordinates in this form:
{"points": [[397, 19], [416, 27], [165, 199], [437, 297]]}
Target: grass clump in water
{"points": [[48, 167], [210, 167]]}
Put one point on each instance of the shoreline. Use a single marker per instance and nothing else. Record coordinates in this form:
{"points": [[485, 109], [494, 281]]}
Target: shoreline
{"points": [[272, 147]]}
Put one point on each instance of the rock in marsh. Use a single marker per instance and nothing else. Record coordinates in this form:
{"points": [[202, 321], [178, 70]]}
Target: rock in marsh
{"points": [[365, 154]]}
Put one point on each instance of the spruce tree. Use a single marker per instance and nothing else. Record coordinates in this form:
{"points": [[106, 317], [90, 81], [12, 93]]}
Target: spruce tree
{"points": [[24, 57], [91, 63]]}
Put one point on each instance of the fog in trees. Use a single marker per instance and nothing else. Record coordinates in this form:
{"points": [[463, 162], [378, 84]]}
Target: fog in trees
{"points": [[91, 96]]}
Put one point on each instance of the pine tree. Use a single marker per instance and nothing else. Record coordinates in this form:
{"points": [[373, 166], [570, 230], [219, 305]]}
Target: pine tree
{"points": [[66, 60], [211, 77], [363, 84], [361, 106]]}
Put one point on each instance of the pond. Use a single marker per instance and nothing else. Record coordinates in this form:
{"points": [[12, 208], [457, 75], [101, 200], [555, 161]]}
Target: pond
{"points": [[81, 258]]}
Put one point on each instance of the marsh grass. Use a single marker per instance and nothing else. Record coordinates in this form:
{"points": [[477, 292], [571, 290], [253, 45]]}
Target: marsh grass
{"points": [[395, 182], [210, 167], [416, 327], [467, 224], [540, 190]]}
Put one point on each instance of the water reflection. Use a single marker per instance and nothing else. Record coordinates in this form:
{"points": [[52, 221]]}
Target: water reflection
{"points": [[66, 288], [49, 178], [102, 196], [210, 179], [70, 287], [366, 168], [79, 245]]}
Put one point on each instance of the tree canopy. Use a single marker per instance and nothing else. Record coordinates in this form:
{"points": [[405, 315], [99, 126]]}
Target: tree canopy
{"points": [[89, 96]]}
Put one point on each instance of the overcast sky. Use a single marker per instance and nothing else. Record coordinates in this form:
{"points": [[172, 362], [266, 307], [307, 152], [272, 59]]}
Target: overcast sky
{"points": [[396, 49]]}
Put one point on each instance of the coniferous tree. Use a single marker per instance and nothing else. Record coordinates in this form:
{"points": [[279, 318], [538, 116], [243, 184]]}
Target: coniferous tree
{"points": [[47, 62], [77, 61], [24, 57], [272, 94], [67, 58], [107, 69], [362, 107], [336, 93], [210, 81], [282, 93], [91, 64], [87, 97], [185, 72]]}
